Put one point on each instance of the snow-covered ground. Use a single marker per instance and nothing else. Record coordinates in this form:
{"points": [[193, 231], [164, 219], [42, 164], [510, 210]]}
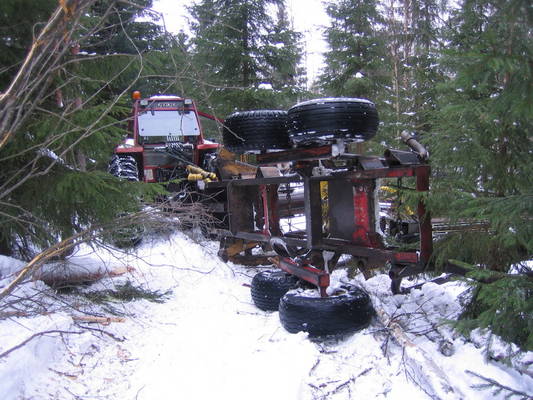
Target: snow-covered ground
{"points": [[206, 340]]}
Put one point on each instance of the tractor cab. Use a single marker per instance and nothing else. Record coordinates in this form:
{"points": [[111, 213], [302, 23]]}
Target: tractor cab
{"points": [[164, 137], [167, 119]]}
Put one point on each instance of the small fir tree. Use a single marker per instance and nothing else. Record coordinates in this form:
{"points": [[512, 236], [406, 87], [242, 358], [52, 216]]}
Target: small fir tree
{"points": [[235, 50], [51, 181], [481, 152], [355, 58]]}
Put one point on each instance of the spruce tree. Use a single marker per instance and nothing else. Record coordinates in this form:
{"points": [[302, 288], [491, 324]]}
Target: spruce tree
{"points": [[52, 181], [239, 45], [385, 52], [428, 17], [354, 60], [283, 52], [481, 157], [20, 20], [123, 32]]}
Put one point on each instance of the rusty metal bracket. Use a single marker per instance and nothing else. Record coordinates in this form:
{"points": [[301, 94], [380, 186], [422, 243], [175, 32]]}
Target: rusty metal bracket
{"points": [[306, 272], [226, 252]]}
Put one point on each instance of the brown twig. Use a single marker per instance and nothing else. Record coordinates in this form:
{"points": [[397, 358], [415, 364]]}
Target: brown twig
{"points": [[102, 332], [18, 346]]}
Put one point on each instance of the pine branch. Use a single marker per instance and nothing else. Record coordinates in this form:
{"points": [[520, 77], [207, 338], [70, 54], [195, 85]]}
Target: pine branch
{"points": [[497, 387]]}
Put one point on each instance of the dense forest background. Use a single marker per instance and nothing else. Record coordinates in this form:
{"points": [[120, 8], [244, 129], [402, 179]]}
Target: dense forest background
{"points": [[457, 74]]}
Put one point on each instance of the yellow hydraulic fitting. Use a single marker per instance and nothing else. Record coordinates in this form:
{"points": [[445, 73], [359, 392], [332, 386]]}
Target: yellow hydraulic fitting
{"points": [[204, 175], [194, 177], [194, 170]]}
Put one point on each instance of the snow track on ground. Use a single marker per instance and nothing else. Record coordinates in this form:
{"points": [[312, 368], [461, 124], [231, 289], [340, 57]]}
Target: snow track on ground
{"points": [[208, 341]]}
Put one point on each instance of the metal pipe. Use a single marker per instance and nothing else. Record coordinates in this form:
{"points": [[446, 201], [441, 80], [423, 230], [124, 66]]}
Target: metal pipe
{"points": [[416, 146]]}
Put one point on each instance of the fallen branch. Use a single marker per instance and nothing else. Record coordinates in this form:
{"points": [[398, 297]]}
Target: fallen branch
{"points": [[16, 314], [351, 380], [118, 339], [18, 346], [422, 368], [97, 320], [41, 258]]}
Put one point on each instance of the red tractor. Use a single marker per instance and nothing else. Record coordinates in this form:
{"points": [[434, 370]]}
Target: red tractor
{"points": [[165, 138]]}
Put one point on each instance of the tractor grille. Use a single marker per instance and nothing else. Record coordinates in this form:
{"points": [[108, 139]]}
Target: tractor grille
{"points": [[157, 158], [168, 174]]}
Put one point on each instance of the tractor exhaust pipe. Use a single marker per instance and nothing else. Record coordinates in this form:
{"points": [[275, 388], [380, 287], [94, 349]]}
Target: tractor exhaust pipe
{"points": [[410, 141]]}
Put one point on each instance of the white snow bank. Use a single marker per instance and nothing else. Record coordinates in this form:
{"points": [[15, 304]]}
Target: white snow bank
{"points": [[20, 370], [9, 266], [208, 341]]}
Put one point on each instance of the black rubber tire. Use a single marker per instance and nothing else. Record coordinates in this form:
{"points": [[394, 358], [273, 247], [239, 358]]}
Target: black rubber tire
{"points": [[124, 167], [329, 119], [268, 287], [340, 314], [256, 130]]}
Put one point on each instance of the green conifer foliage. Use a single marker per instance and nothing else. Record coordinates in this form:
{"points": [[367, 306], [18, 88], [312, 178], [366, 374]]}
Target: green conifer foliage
{"points": [[481, 154], [123, 31], [355, 59], [283, 53], [386, 51], [481, 143], [503, 303], [413, 30], [20, 20], [237, 46], [52, 183]]}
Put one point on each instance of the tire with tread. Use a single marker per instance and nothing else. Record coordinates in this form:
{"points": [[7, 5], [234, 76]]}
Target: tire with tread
{"points": [[326, 120], [268, 287], [124, 167], [129, 235], [256, 130], [343, 313]]}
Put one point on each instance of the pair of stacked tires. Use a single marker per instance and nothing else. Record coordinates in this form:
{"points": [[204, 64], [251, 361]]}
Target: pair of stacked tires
{"points": [[315, 121], [347, 311]]}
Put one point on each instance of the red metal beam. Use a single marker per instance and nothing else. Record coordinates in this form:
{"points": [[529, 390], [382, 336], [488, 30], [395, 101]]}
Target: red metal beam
{"points": [[266, 209], [405, 258], [308, 273], [364, 233], [312, 153], [424, 217]]}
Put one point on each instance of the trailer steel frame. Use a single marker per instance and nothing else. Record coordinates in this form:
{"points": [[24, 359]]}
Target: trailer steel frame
{"points": [[346, 225]]}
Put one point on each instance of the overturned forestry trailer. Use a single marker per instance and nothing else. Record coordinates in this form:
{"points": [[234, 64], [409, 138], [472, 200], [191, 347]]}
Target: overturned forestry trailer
{"points": [[301, 195]]}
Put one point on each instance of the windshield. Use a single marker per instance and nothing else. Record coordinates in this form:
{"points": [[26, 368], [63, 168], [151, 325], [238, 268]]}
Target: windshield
{"points": [[167, 126]]}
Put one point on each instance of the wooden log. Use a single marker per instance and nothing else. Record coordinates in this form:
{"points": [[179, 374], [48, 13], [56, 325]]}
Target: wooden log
{"points": [[421, 368], [67, 274], [97, 320]]}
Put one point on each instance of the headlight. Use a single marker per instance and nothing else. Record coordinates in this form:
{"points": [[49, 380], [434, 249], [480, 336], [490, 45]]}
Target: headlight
{"points": [[148, 174]]}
